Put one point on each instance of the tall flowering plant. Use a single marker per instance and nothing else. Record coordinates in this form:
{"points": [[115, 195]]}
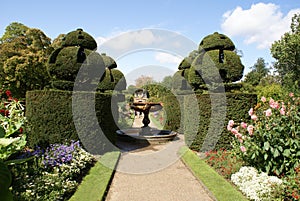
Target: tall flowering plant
{"points": [[12, 120], [270, 141], [12, 138]]}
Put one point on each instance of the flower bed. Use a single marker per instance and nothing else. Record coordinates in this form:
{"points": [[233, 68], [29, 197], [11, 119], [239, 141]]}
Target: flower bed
{"points": [[50, 174], [269, 145]]}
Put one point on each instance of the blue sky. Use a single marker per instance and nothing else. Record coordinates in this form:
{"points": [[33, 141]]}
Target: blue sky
{"points": [[252, 25]]}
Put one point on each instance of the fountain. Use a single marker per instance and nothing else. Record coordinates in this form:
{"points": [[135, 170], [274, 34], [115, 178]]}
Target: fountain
{"points": [[141, 104]]}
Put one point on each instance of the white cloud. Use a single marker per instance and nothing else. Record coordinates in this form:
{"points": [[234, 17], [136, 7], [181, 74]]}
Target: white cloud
{"points": [[164, 58], [262, 24], [128, 39]]}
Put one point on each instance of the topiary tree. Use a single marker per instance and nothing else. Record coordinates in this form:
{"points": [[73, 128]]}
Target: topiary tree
{"points": [[113, 80], [216, 41], [209, 66]]}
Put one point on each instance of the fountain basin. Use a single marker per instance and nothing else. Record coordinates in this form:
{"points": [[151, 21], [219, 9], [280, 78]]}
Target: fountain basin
{"points": [[153, 136]]}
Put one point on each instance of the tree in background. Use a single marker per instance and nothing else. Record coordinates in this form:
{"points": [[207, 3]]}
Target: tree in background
{"points": [[23, 55], [259, 71], [286, 51], [143, 80], [167, 82]]}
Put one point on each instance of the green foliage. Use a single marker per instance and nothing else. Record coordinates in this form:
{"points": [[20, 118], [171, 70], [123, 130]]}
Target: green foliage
{"points": [[270, 141], [171, 105], [259, 71], [286, 51], [224, 162], [292, 186], [187, 61], [273, 90], [12, 31], [216, 41], [216, 184], [79, 38], [113, 80], [11, 139], [109, 62], [210, 68], [23, 54], [180, 80], [195, 79], [167, 82], [37, 179], [197, 127], [94, 186], [64, 64], [51, 116]]}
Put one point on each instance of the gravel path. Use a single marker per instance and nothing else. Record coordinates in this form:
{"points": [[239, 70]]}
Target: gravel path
{"points": [[154, 173]]}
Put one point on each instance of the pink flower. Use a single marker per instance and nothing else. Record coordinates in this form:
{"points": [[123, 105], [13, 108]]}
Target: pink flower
{"points": [[263, 99], [254, 117], [268, 112], [231, 123], [250, 129], [229, 128], [274, 104], [243, 149], [282, 111], [291, 94], [244, 125], [241, 140], [238, 135], [250, 112], [234, 131]]}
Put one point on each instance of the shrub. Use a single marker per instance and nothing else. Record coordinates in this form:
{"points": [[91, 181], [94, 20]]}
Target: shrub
{"points": [[203, 127], [210, 68], [180, 80], [270, 141], [113, 80], [79, 38], [216, 41], [52, 117]]}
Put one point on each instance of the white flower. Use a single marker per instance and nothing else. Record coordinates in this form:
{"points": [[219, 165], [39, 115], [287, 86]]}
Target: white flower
{"points": [[254, 185]]}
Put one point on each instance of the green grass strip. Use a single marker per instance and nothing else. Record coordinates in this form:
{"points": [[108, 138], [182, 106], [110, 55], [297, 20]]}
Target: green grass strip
{"points": [[95, 184], [221, 189]]}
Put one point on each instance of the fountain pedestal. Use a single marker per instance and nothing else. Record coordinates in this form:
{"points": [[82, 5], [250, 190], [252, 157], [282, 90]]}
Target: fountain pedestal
{"points": [[145, 132]]}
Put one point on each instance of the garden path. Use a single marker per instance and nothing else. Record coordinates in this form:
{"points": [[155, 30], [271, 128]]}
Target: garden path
{"points": [[154, 173]]}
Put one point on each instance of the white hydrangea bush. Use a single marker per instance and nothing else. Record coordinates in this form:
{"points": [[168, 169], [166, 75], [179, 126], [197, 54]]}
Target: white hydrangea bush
{"points": [[257, 186]]}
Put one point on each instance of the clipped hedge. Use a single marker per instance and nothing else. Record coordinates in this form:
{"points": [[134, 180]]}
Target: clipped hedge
{"points": [[198, 125], [79, 38], [216, 41], [172, 105], [113, 80], [52, 118], [210, 68]]}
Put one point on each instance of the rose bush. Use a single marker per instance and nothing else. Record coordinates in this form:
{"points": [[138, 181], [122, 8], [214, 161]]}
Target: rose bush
{"points": [[270, 140]]}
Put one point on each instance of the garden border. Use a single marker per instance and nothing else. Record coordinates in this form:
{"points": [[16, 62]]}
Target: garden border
{"points": [[205, 174], [95, 184]]}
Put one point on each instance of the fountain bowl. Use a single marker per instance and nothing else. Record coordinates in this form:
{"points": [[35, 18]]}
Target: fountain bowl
{"points": [[152, 136]]}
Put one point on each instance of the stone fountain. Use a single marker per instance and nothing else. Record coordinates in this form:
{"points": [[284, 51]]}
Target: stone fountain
{"points": [[141, 104]]}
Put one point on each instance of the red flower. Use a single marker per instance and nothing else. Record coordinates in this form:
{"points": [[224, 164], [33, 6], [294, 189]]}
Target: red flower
{"points": [[8, 93], [21, 130]]}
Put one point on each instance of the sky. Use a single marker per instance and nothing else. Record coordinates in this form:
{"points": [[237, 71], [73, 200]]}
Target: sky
{"points": [[139, 27]]}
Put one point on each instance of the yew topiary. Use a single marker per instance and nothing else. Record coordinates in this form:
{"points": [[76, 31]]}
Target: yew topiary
{"points": [[79, 38], [211, 69], [216, 41]]}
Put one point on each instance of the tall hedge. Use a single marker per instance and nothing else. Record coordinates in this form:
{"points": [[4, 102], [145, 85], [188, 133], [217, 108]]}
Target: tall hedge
{"points": [[202, 130], [52, 119], [172, 105]]}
